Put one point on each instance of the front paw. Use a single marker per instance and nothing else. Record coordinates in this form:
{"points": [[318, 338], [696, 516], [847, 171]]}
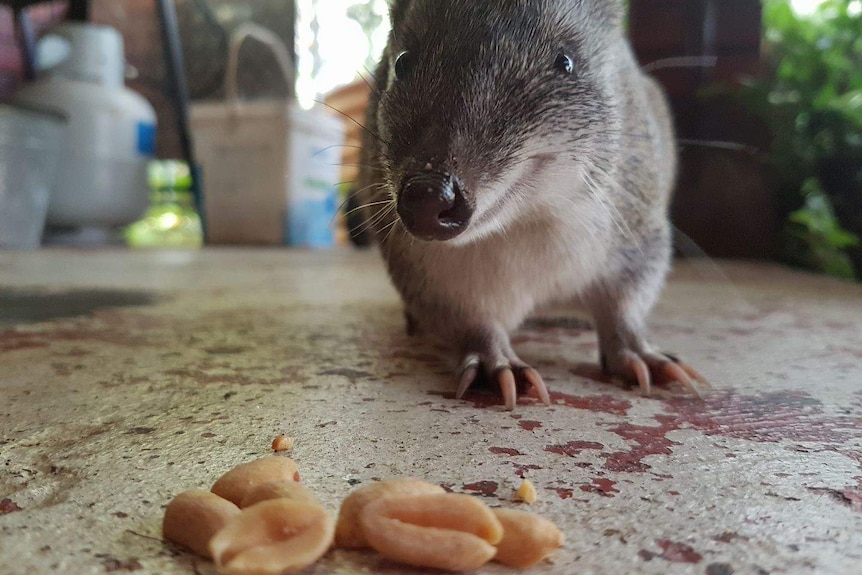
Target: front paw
{"points": [[509, 373], [645, 368]]}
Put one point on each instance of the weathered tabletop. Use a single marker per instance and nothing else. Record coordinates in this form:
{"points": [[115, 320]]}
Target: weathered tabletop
{"points": [[173, 367]]}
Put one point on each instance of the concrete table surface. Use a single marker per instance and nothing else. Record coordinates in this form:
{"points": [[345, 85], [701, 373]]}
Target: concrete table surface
{"points": [[127, 377]]}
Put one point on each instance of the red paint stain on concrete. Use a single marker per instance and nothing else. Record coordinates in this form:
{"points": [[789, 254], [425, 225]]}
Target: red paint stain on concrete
{"points": [[521, 470], [678, 552], [650, 440], [528, 425], [8, 506], [602, 486], [851, 496], [562, 492], [14, 341], [574, 448], [647, 555], [484, 488], [854, 498], [729, 537], [597, 403], [768, 417], [504, 451]]}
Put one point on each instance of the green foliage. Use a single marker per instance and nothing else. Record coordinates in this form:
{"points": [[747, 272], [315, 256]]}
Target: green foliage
{"points": [[811, 98], [820, 240]]}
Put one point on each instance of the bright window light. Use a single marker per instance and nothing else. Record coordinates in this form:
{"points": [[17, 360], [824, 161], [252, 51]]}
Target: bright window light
{"points": [[333, 48], [805, 7]]}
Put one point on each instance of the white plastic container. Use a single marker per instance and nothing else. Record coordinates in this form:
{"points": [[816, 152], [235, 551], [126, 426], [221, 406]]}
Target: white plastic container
{"points": [[30, 143], [102, 177], [269, 168], [312, 196]]}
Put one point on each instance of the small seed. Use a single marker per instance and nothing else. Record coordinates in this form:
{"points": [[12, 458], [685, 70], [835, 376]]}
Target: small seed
{"points": [[282, 443], [273, 538], [526, 493], [236, 483], [527, 538], [348, 531], [448, 531], [193, 517], [279, 490]]}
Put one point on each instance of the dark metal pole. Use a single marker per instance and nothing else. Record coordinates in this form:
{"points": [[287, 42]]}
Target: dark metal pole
{"points": [[79, 10], [27, 41], [180, 95]]}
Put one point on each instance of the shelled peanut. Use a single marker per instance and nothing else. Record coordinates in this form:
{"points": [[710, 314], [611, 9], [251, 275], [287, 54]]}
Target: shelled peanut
{"points": [[239, 481], [273, 537], [448, 531], [193, 517], [258, 519]]}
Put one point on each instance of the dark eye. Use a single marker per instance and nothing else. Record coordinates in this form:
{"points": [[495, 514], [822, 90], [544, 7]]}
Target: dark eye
{"points": [[404, 65], [563, 63]]}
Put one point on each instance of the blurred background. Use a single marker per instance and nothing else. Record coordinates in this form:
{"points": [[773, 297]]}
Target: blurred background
{"points": [[105, 102]]}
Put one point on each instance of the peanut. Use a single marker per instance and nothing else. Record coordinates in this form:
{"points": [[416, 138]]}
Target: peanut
{"points": [[193, 517], [526, 493], [279, 490], [282, 443], [272, 538], [236, 483], [448, 531], [348, 531], [527, 538]]}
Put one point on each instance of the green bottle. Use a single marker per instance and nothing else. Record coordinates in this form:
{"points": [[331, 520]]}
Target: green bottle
{"points": [[171, 221]]}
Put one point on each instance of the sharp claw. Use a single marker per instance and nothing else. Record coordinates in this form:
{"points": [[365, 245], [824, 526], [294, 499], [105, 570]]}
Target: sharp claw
{"points": [[677, 373], [695, 375], [506, 379], [535, 379], [468, 376], [643, 376]]}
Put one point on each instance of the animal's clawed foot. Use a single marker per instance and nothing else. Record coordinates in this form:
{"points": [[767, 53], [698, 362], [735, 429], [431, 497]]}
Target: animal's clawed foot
{"points": [[510, 375], [648, 368]]}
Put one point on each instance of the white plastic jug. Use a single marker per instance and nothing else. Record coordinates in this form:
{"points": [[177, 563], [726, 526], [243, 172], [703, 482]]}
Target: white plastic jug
{"points": [[102, 177]]}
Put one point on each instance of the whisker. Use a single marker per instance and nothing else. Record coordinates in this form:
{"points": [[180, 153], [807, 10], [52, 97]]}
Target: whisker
{"points": [[360, 124], [373, 89], [681, 62], [619, 221], [368, 205], [370, 73], [734, 146], [327, 148], [367, 166], [381, 214], [391, 227], [349, 197]]}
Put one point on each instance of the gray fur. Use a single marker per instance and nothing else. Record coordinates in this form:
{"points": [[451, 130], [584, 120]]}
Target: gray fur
{"points": [[570, 176]]}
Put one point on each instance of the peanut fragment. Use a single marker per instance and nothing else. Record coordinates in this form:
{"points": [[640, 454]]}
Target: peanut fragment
{"points": [[348, 531], [448, 531], [272, 538], [282, 443], [279, 490], [527, 538], [239, 481], [193, 517], [526, 493]]}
